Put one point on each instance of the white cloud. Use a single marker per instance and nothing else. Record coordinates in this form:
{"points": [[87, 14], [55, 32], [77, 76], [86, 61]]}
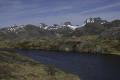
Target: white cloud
{"points": [[75, 19], [15, 13], [101, 8], [17, 9]]}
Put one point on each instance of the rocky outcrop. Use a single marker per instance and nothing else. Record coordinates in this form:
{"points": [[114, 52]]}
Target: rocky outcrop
{"points": [[71, 38], [87, 29], [109, 25], [113, 33], [64, 24], [95, 20], [41, 25]]}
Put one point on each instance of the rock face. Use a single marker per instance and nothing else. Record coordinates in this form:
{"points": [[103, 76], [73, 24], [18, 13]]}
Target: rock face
{"points": [[22, 32], [110, 25], [115, 23], [92, 29], [41, 25], [53, 27], [88, 29], [113, 33], [98, 49], [95, 20], [93, 26], [65, 24], [68, 25]]}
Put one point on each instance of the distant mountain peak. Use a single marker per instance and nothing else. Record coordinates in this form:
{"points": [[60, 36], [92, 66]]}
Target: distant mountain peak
{"points": [[14, 25], [41, 25], [68, 24], [56, 26], [95, 20], [64, 24]]}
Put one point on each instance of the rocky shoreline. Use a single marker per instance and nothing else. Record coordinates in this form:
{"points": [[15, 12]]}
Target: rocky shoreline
{"points": [[88, 44], [92, 38]]}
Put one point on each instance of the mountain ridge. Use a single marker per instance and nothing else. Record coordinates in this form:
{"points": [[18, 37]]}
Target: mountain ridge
{"points": [[66, 24], [66, 29], [92, 38]]}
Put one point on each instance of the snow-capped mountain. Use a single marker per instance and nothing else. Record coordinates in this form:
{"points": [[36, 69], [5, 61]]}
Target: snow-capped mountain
{"points": [[95, 20], [41, 25], [65, 28], [56, 26], [68, 24], [63, 25], [73, 27]]}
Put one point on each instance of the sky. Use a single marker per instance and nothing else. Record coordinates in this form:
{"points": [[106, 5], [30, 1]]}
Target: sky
{"points": [[22, 12]]}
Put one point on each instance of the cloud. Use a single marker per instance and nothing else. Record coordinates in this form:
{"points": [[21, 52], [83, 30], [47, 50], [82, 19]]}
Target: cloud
{"points": [[101, 8], [74, 18], [15, 12], [16, 8]]}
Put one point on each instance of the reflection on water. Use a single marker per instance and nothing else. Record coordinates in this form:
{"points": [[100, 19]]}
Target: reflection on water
{"points": [[86, 66]]}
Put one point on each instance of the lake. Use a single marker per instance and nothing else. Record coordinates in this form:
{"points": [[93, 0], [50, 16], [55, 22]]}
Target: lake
{"points": [[86, 66]]}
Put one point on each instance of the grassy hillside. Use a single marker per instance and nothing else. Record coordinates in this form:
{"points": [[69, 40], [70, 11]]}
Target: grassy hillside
{"points": [[91, 44], [92, 38], [14, 66]]}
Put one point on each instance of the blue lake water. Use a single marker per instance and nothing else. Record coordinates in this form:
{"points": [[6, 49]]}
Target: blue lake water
{"points": [[86, 66]]}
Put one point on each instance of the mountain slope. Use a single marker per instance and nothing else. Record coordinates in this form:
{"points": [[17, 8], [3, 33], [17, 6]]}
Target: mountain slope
{"points": [[92, 26]]}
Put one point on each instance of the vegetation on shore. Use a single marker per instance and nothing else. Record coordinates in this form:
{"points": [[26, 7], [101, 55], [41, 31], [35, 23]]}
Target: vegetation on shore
{"points": [[92, 37], [91, 44], [14, 66]]}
